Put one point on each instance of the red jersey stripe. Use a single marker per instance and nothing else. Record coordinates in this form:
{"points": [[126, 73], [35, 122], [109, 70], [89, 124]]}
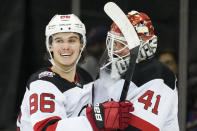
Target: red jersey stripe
{"points": [[50, 122], [142, 124]]}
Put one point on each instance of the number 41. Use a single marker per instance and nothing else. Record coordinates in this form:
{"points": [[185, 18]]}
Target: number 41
{"points": [[147, 101]]}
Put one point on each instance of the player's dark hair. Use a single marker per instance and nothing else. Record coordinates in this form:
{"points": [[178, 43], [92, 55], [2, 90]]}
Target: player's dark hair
{"points": [[80, 38]]}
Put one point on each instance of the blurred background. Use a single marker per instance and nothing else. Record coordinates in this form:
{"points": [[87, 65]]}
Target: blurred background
{"points": [[22, 45]]}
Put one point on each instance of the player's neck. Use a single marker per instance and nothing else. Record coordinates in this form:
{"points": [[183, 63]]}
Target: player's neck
{"points": [[70, 76]]}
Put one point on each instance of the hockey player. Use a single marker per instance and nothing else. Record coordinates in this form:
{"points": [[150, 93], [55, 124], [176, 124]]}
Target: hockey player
{"points": [[54, 96], [152, 91]]}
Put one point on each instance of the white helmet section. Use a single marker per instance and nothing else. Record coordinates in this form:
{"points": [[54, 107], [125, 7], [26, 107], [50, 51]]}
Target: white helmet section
{"points": [[64, 23]]}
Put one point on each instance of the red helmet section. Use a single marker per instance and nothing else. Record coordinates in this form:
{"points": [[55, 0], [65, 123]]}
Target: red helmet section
{"points": [[138, 19]]}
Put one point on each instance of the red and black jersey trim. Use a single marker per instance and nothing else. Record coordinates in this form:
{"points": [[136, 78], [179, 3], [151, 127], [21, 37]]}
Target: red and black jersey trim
{"points": [[132, 128], [19, 117], [151, 69], [18, 128], [49, 124], [61, 83], [138, 124]]}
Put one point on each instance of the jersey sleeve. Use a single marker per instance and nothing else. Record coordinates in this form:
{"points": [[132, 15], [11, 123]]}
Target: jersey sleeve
{"points": [[47, 109], [171, 123], [23, 123]]}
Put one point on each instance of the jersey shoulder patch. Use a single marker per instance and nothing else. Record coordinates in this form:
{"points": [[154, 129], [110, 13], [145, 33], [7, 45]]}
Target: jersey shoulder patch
{"points": [[47, 75], [153, 69]]}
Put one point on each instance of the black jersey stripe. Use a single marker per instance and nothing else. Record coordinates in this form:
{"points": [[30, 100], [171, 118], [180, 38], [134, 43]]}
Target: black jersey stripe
{"points": [[51, 122], [61, 83], [132, 128], [150, 70]]}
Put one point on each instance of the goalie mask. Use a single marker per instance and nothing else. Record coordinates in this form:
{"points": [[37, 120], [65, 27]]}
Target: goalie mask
{"points": [[118, 51], [64, 23]]}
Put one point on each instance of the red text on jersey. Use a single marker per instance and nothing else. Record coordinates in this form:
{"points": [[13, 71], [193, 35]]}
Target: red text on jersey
{"points": [[146, 98]]}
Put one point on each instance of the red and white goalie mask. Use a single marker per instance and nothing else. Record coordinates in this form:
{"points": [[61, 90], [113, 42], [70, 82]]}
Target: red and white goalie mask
{"points": [[117, 48]]}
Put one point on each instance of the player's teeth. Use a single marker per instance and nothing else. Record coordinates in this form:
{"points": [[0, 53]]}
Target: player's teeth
{"points": [[64, 54]]}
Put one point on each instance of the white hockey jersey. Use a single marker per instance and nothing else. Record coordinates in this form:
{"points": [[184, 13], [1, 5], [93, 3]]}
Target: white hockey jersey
{"points": [[53, 103], [153, 93]]}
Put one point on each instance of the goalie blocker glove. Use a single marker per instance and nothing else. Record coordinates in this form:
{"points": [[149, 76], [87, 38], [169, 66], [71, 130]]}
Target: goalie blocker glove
{"points": [[110, 115]]}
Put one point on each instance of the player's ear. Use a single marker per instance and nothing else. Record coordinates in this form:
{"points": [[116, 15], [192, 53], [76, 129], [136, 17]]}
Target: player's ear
{"points": [[51, 48], [81, 47], [51, 43]]}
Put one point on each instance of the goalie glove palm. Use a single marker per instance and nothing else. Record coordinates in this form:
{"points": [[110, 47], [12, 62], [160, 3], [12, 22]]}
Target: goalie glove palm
{"points": [[110, 115]]}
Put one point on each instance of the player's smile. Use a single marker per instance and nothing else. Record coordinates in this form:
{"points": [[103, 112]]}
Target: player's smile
{"points": [[65, 55]]}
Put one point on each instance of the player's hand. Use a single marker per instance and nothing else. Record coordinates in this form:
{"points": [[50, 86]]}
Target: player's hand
{"points": [[110, 115]]}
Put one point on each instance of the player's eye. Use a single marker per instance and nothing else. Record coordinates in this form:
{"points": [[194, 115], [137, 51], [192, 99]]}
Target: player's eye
{"points": [[59, 41], [115, 44], [73, 40], [118, 45]]}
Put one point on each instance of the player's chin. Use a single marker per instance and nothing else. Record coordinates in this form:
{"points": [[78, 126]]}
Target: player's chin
{"points": [[68, 63]]}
